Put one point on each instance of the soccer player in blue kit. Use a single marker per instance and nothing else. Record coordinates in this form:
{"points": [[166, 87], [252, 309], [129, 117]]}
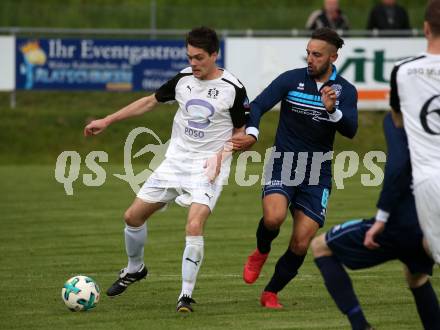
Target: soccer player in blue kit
{"points": [[315, 103], [394, 233]]}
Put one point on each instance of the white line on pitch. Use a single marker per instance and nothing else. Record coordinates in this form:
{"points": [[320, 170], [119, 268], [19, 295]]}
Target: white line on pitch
{"points": [[298, 278]]}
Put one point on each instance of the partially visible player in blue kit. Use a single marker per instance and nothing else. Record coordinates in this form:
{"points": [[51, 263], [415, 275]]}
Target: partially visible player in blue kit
{"points": [[316, 103], [393, 234]]}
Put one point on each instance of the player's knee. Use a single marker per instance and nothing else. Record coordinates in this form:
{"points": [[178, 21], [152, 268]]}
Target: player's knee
{"points": [[194, 228], [299, 246], [127, 217], [272, 223], [131, 219], [319, 247], [426, 247], [415, 280], [273, 220]]}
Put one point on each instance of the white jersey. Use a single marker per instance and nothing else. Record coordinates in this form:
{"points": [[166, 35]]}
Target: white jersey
{"points": [[208, 111], [415, 91]]}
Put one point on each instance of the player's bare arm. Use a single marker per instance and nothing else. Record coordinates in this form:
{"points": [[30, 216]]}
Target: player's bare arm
{"points": [[242, 142], [229, 146], [397, 118], [213, 164], [134, 109], [371, 234]]}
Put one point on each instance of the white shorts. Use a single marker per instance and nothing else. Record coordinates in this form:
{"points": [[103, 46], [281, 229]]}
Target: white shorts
{"points": [[428, 210], [181, 195], [184, 182]]}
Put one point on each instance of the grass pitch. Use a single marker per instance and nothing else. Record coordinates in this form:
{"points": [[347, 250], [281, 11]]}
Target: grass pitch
{"points": [[47, 237]]}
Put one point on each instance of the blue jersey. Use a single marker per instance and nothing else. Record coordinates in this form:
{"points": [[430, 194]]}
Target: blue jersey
{"points": [[304, 124], [402, 237], [396, 196]]}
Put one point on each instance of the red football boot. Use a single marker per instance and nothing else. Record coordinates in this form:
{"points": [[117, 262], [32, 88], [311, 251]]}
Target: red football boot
{"points": [[270, 300], [253, 266]]}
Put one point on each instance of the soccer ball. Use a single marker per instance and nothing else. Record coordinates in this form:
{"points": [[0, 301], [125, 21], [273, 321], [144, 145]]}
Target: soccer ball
{"points": [[80, 293]]}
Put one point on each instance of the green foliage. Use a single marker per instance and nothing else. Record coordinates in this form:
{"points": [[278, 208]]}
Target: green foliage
{"points": [[46, 123], [183, 14]]}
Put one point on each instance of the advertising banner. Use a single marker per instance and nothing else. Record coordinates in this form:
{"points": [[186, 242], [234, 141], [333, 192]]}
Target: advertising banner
{"points": [[367, 63], [96, 64]]}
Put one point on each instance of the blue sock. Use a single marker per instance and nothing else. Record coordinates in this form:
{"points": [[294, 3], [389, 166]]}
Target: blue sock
{"points": [[339, 286], [427, 306], [285, 270]]}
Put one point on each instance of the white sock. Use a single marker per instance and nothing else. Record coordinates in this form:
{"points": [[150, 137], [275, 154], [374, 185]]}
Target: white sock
{"points": [[191, 262], [135, 238]]}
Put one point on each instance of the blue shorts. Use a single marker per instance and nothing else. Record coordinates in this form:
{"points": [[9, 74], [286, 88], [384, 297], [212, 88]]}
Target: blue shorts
{"points": [[347, 244], [311, 199]]}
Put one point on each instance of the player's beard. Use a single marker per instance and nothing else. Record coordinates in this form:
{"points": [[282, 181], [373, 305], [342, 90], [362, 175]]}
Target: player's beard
{"points": [[320, 72]]}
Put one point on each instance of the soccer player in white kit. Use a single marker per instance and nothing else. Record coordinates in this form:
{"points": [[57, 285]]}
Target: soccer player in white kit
{"points": [[212, 105], [415, 93]]}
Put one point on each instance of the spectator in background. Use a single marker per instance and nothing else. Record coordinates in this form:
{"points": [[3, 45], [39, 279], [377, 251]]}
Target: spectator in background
{"points": [[388, 15], [330, 16]]}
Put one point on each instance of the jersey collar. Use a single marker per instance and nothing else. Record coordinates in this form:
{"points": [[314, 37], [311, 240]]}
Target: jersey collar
{"points": [[329, 82], [332, 76], [334, 73]]}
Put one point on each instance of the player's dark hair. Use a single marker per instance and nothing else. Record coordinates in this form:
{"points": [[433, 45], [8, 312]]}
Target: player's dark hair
{"points": [[432, 16], [328, 35], [205, 38]]}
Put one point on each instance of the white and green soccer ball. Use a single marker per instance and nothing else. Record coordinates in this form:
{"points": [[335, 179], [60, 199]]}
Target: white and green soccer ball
{"points": [[80, 293]]}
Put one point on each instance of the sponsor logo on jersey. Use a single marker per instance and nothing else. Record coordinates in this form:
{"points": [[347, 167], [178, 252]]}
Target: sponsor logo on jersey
{"points": [[213, 93], [338, 89], [246, 103], [275, 183]]}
